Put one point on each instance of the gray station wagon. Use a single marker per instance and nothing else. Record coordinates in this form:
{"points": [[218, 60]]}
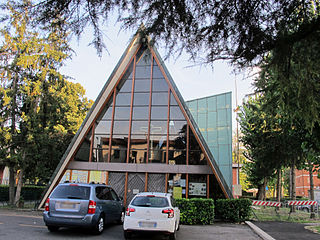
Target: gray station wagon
{"points": [[82, 205]]}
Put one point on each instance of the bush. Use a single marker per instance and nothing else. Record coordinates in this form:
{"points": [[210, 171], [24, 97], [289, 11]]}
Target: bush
{"points": [[233, 210], [28, 192], [196, 211]]}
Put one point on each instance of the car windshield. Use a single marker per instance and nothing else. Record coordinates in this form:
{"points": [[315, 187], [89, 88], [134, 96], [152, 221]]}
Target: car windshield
{"points": [[71, 192], [150, 201]]}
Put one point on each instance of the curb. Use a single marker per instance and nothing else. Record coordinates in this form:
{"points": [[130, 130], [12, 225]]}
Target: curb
{"points": [[262, 234]]}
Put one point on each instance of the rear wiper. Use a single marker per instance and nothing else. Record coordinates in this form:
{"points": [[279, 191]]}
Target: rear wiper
{"points": [[143, 205], [74, 197]]}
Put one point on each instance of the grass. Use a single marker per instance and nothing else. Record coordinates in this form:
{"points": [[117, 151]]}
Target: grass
{"points": [[269, 214]]}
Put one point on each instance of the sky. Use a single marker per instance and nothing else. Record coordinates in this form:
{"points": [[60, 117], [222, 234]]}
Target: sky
{"points": [[193, 81]]}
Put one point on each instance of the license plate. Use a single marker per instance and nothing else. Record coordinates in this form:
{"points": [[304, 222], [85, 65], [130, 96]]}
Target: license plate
{"points": [[148, 224], [66, 205]]}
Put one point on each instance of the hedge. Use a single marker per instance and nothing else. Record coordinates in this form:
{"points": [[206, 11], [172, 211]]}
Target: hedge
{"points": [[196, 211], [233, 210], [28, 193]]}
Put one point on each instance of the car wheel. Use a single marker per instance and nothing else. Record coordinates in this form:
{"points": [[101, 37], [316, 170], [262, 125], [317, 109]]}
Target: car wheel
{"points": [[173, 236], [127, 235], [99, 227], [121, 218], [53, 228]]}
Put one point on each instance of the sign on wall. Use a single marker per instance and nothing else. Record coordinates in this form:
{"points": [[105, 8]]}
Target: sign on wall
{"points": [[197, 189]]}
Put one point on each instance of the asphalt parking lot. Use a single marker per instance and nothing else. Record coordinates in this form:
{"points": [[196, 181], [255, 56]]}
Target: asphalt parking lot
{"points": [[29, 225]]}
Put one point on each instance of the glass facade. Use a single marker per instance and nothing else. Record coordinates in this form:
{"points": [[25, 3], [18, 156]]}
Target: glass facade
{"points": [[213, 117], [142, 122]]}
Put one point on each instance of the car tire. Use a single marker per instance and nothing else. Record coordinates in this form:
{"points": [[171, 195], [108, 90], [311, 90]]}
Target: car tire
{"points": [[99, 227], [127, 235], [121, 218], [53, 228], [173, 236]]}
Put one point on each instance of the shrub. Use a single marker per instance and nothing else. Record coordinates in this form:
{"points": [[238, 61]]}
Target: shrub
{"points": [[196, 211], [233, 210], [27, 192]]}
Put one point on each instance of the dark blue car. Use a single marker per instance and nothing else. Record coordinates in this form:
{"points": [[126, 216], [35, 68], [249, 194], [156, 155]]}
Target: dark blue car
{"points": [[83, 205]]}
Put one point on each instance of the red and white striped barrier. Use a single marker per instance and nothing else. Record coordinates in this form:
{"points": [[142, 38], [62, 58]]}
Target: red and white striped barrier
{"points": [[266, 203], [300, 203]]}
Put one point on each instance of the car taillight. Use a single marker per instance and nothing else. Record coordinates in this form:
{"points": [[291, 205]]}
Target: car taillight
{"points": [[92, 207], [169, 211], [130, 210], [46, 206]]}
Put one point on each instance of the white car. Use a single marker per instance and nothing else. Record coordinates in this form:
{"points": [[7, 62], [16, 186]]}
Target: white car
{"points": [[152, 211]]}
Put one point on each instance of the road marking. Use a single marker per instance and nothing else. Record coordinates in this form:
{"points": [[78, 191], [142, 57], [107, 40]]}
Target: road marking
{"points": [[17, 215], [30, 225]]}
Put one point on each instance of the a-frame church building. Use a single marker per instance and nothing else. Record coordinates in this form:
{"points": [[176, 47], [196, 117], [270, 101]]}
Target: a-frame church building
{"points": [[140, 135]]}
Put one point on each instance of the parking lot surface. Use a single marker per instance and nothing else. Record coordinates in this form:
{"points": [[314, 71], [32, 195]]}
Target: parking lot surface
{"points": [[29, 225]]}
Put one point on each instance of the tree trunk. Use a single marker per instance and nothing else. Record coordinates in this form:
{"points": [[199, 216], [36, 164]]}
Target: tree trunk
{"points": [[12, 150], [262, 190], [279, 186], [312, 215], [293, 176], [19, 187], [11, 184]]}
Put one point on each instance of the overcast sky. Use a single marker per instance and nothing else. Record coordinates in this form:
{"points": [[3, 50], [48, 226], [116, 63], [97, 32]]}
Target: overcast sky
{"points": [[193, 81]]}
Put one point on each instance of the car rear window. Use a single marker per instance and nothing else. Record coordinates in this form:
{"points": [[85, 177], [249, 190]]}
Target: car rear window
{"points": [[71, 192], [150, 201]]}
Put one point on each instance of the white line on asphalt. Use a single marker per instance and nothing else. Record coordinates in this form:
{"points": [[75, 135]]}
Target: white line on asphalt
{"points": [[30, 225]]}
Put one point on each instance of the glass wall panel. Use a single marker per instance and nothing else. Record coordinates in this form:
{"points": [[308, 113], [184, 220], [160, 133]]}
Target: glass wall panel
{"points": [[177, 185], [138, 156], [156, 71], [212, 104], [157, 156], [177, 127], [119, 148], [159, 113], [83, 152], [142, 85], [139, 127], [202, 105], [177, 142], [145, 59], [141, 99], [159, 85], [143, 72], [222, 117], [140, 113], [197, 186], [123, 99], [176, 113], [160, 98], [120, 127], [107, 115], [197, 158], [100, 148], [173, 101], [158, 142], [158, 127], [126, 87], [177, 157], [127, 77], [103, 127], [221, 101], [121, 113]]}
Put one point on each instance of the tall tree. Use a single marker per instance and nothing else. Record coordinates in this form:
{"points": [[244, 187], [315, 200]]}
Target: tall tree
{"points": [[40, 104]]}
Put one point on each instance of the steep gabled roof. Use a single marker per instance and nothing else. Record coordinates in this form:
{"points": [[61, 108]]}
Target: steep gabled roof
{"points": [[104, 96]]}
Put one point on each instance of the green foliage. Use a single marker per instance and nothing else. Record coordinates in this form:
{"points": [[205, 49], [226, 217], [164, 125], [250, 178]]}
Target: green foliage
{"points": [[241, 31], [28, 193], [196, 211], [233, 210]]}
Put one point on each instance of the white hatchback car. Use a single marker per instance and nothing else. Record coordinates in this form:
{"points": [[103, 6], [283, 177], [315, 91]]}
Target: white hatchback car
{"points": [[152, 211]]}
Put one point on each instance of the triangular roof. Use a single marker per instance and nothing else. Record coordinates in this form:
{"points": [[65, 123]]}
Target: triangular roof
{"points": [[106, 93]]}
